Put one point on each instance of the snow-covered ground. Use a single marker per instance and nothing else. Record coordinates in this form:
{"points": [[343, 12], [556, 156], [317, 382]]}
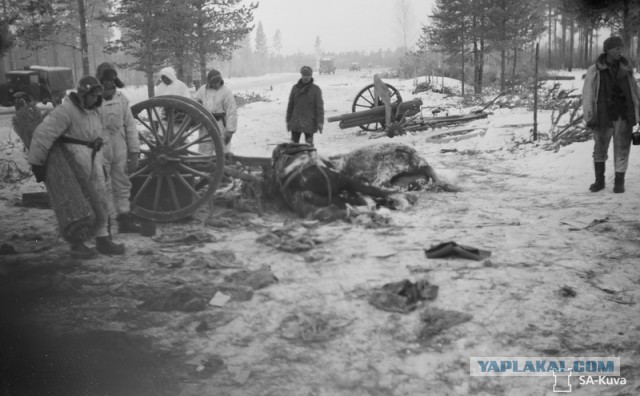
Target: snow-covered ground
{"points": [[530, 207]]}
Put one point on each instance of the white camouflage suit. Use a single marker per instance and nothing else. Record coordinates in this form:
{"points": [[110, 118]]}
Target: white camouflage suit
{"points": [[219, 101], [71, 119], [121, 137]]}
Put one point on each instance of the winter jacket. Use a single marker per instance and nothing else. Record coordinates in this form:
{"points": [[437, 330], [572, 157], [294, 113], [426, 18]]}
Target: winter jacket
{"points": [[220, 101], [305, 111], [596, 96], [117, 118], [69, 118], [176, 87]]}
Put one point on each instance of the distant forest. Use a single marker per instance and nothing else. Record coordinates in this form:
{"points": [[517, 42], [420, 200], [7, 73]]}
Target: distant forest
{"points": [[479, 41]]}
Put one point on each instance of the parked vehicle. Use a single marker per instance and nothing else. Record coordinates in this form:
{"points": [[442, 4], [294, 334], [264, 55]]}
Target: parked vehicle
{"points": [[355, 66], [327, 66], [46, 84]]}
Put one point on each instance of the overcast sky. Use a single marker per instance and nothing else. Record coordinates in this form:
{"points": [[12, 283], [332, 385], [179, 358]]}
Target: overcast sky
{"points": [[342, 25]]}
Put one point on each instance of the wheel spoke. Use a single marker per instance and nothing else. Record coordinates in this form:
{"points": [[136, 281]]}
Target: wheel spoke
{"points": [[370, 91], [174, 194], [148, 143], [143, 187], [165, 139], [199, 140], [156, 199], [151, 126], [140, 171], [195, 172], [192, 130], [188, 186], [186, 121], [171, 118]]}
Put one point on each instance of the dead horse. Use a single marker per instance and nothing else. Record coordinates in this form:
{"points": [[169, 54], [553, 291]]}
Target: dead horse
{"points": [[307, 181]]}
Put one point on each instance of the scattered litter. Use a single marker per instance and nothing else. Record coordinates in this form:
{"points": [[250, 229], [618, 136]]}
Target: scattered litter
{"points": [[630, 301], [311, 327], [145, 252], [256, 279], [206, 365], [170, 262], [219, 222], [437, 320], [403, 296], [182, 238], [180, 299], [215, 259], [567, 291], [213, 320], [219, 299], [238, 293], [447, 249], [580, 223], [449, 150], [381, 251]]}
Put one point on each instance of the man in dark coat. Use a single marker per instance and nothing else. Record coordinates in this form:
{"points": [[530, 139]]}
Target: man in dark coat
{"points": [[610, 108], [305, 112]]}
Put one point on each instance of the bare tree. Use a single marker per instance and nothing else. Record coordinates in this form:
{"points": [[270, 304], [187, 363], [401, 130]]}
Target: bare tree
{"points": [[405, 18]]}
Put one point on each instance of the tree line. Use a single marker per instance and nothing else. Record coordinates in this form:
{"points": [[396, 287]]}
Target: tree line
{"points": [[142, 35], [468, 34]]}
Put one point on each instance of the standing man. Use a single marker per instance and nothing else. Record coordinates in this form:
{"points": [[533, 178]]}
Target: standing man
{"points": [[305, 111], [170, 85], [121, 148], [610, 107], [77, 123], [219, 100]]}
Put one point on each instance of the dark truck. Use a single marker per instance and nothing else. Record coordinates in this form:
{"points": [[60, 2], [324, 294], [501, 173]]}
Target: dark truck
{"points": [[46, 84], [327, 66]]}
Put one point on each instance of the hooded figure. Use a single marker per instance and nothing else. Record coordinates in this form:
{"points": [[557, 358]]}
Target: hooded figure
{"points": [[78, 119], [122, 147], [610, 109], [219, 100], [170, 85]]}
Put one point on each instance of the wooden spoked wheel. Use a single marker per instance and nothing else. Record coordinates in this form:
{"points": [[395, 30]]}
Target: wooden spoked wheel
{"points": [[180, 148], [366, 99]]}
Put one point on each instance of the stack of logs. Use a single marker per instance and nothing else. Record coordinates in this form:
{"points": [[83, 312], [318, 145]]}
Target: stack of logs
{"points": [[377, 114]]}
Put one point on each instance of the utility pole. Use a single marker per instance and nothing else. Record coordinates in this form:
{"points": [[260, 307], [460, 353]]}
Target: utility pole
{"points": [[535, 96]]}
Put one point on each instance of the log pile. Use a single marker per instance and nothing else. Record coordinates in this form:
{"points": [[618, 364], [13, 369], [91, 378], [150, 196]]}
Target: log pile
{"points": [[377, 114], [67, 192]]}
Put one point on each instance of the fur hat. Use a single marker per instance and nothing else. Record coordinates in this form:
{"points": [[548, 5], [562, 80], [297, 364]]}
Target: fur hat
{"points": [[89, 84], [214, 75], [107, 70], [613, 42], [306, 71]]}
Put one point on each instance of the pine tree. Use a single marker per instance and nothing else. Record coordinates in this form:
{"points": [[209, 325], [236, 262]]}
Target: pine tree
{"points": [[277, 42]]}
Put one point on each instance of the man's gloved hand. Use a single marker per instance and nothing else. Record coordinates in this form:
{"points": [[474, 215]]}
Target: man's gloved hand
{"points": [[132, 161], [320, 128], [227, 137], [40, 172]]}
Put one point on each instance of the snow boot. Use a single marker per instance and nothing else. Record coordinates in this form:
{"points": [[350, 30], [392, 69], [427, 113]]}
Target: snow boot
{"points": [[106, 246], [127, 223], [81, 251], [618, 185], [599, 184]]}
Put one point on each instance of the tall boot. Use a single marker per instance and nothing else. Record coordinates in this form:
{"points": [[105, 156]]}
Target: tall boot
{"points": [[618, 185], [599, 184], [106, 246]]}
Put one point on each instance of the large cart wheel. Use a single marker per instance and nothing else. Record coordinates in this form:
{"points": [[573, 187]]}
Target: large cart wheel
{"points": [[365, 100], [181, 148]]}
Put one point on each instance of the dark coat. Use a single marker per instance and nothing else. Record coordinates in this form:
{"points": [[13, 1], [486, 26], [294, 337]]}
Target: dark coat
{"points": [[305, 111]]}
